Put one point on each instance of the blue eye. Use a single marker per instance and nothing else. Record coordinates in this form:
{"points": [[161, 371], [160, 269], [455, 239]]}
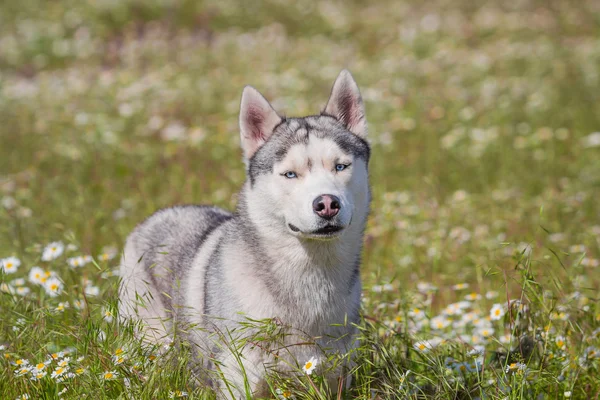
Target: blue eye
{"points": [[340, 167], [290, 175]]}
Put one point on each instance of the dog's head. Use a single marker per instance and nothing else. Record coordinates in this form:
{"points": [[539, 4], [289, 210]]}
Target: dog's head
{"points": [[307, 176]]}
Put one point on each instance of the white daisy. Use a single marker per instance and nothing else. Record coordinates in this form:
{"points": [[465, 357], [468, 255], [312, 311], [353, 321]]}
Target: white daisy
{"points": [[18, 282], [497, 312], [22, 290], [53, 286], [59, 371], [75, 262], [37, 275], [108, 253], [53, 251], [310, 365], [439, 322], [423, 346], [416, 313], [109, 375], [560, 342], [10, 264], [92, 290]]}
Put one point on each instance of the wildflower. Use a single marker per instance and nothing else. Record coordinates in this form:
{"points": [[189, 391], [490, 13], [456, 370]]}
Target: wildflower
{"points": [[92, 290], [9, 265], [6, 288], [423, 346], [109, 375], [108, 253], [309, 366], [497, 312], [426, 287], [485, 331], [23, 370], [592, 352], [515, 367], [64, 362], [36, 376], [61, 307], [75, 262], [283, 394], [23, 397], [473, 296], [57, 356], [108, 316], [476, 351], [22, 290], [78, 304], [560, 342], [416, 313], [59, 372], [21, 362], [177, 393], [37, 275], [53, 286], [80, 371], [39, 367], [505, 339], [460, 286], [118, 360], [53, 251], [18, 282], [439, 322]]}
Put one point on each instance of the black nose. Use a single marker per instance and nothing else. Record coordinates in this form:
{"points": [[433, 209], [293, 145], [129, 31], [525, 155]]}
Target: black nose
{"points": [[326, 206]]}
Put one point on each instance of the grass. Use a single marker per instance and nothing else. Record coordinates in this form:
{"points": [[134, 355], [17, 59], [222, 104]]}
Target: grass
{"points": [[484, 121]]}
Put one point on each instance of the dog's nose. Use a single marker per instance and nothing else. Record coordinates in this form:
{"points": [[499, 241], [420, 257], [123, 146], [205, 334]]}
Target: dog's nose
{"points": [[326, 206]]}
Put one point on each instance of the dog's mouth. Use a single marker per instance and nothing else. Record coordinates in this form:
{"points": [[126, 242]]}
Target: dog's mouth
{"points": [[326, 231]]}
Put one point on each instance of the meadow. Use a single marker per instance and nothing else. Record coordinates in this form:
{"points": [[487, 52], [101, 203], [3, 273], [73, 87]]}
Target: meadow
{"points": [[481, 267]]}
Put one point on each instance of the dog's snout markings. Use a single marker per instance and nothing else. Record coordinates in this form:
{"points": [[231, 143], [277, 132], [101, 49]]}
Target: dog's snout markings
{"points": [[327, 206], [298, 255]]}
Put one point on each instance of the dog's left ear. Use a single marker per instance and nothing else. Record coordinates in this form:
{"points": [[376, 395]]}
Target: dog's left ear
{"points": [[345, 104], [257, 121]]}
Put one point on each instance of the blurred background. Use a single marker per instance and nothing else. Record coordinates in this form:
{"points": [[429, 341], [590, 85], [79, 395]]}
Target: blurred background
{"points": [[484, 120]]}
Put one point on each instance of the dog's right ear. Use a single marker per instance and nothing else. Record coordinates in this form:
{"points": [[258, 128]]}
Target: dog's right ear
{"points": [[257, 121]]}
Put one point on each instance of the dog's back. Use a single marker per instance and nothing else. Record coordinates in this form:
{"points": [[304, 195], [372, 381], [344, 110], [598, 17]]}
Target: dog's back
{"points": [[157, 257]]}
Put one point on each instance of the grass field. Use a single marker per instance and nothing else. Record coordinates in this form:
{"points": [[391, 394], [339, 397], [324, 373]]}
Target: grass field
{"points": [[481, 266]]}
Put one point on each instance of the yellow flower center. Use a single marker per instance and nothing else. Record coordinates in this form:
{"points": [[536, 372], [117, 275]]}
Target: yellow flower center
{"points": [[79, 371], [40, 366], [308, 365], [9, 265], [108, 375], [421, 346]]}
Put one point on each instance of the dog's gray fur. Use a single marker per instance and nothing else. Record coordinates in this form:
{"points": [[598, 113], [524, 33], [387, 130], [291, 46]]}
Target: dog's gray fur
{"points": [[202, 266]]}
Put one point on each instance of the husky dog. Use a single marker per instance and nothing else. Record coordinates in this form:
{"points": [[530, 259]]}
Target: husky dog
{"points": [[290, 252]]}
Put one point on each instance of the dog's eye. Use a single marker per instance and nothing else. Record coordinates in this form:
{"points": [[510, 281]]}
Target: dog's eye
{"points": [[341, 167], [290, 175]]}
